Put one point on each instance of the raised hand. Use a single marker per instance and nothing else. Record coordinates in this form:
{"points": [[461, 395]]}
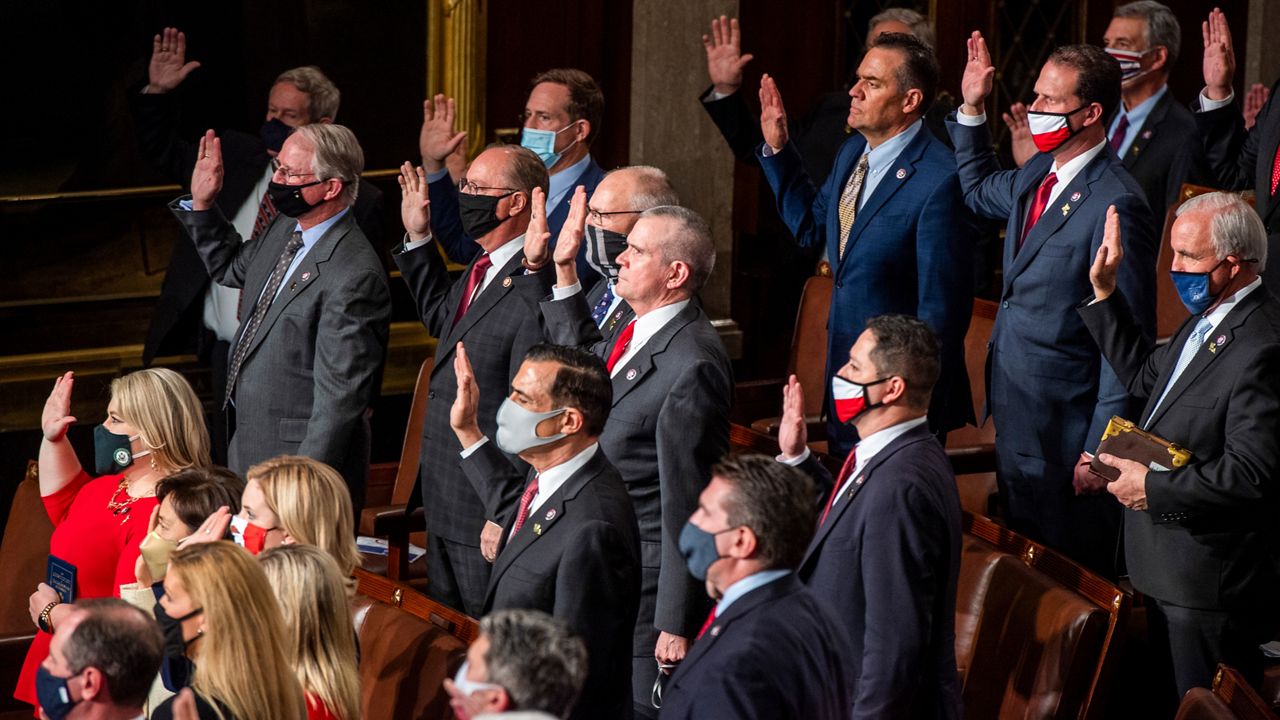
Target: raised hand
{"points": [[724, 55], [462, 414], [793, 433], [773, 115], [415, 205], [57, 416], [169, 66], [1219, 56], [1102, 275], [537, 237], [1254, 100], [1020, 141], [575, 223], [213, 529], [979, 75], [437, 138], [206, 179]]}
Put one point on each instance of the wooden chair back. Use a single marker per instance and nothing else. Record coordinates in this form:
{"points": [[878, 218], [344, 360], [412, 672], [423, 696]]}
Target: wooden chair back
{"points": [[808, 361], [400, 595], [1245, 702]]}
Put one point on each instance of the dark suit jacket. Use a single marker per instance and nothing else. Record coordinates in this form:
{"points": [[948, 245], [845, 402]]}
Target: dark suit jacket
{"points": [[498, 329], [1047, 386], [446, 224], [1241, 159], [910, 251], [577, 557], [177, 319], [668, 426], [776, 653], [1209, 536], [887, 561], [1166, 153], [310, 375]]}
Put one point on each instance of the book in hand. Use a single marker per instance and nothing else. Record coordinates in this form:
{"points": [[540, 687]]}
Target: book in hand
{"points": [[1124, 439], [62, 578]]}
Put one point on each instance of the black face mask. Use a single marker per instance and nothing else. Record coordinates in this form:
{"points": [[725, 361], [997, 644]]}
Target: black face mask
{"points": [[479, 213], [603, 249], [274, 133], [288, 198], [174, 643]]}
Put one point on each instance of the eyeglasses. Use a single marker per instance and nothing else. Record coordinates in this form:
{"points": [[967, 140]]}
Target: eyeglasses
{"points": [[598, 217], [286, 172], [470, 188]]}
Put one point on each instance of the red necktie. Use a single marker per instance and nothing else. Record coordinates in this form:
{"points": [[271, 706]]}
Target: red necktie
{"points": [[711, 618], [1275, 172], [525, 500], [621, 344], [1037, 207], [845, 471], [1122, 129], [473, 281]]}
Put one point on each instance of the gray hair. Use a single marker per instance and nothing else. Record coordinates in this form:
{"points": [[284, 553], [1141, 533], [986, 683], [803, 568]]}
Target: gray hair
{"points": [[920, 25], [690, 243], [120, 641], [1235, 228], [1162, 26], [337, 155], [322, 95], [651, 186], [535, 658]]}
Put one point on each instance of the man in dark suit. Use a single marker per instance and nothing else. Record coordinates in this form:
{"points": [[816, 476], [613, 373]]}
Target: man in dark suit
{"points": [[569, 545], [562, 117], [887, 548], [499, 327], [770, 648], [194, 315], [897, 234], [1240, 159], [1200, 539], [311, 342], [1048, 388], [672, 386], [1153, 134]]}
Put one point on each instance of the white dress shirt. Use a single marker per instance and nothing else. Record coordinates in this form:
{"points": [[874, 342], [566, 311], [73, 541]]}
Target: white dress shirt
{"points": [[646, 327]]}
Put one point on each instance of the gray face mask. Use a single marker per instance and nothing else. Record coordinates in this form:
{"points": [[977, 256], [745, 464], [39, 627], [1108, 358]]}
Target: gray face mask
{"points": [[518, 428]]}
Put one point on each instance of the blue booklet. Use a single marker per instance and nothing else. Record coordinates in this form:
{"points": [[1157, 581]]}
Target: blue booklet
{"points": [[62, 577]]}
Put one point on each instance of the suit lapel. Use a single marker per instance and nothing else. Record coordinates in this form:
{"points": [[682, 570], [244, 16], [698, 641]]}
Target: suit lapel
{"points": [[724, 625], [1055, 214], [488, 298], [1148, 133], [1025, 185], [896, 176], [639, 366]]}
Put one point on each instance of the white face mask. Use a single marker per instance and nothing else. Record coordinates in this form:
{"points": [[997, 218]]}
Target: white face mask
{"points": [[518, 427]]}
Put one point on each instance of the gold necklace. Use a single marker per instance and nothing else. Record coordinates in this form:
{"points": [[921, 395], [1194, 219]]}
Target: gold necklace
{"points": [[121, 507]]}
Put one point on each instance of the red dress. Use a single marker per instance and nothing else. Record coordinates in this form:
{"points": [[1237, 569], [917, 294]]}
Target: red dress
{"points": [[87, 534]]}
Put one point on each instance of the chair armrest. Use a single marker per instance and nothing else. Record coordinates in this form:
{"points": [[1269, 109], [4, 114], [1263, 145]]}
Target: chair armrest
{"points": [[973, 459]]}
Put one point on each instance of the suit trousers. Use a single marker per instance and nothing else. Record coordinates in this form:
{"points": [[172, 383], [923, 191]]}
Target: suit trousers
{"points": [[1188, 643], [457, 575]]}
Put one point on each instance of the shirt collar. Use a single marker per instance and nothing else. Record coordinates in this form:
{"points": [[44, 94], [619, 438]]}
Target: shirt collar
{"points": [[871, 445], [1140, 112], [1068, 170], [882, 156], [503, 255], [312, 235], [1216, 315], [551, 479], [565, 179], [651, 322], [746, 585]]}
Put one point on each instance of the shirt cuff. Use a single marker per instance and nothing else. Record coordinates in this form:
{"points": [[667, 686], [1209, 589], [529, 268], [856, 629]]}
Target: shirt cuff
{"points": [[476, 446], [767, 150], [794, 461], [1206, 104], [971, 120], [562, 293], [185, 204], [434, 176], [714, 96], [415, 244]]}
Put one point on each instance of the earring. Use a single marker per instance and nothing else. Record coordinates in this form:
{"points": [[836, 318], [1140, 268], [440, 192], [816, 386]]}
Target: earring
{"points": [[153, 463]]}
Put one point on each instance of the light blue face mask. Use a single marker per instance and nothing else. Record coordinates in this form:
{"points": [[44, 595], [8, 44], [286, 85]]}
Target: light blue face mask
{"points": [[543, 143]]}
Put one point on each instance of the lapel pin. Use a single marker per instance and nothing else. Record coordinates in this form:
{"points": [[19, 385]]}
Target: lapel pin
{"points": [[506, 282], [860, 479], [1213, 347], [1222, 339], [537, 528], [1066, 208], [293, 285], [715, 631], [551, 514], [1136, 150], [1146, 134], [306, 276], [631, 374], [901, 173], [1075, 196]]}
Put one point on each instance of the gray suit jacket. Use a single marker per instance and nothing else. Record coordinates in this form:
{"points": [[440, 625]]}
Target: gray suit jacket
{"points": [[312, 370], [668, 426]]}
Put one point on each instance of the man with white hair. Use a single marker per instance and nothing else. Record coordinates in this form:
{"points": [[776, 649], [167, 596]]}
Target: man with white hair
{"points": [[1200, 539]]}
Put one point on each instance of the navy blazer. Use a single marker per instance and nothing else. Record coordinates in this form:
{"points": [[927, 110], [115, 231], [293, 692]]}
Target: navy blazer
{"points": [[910, 251], [1047, 385], [887, 560], [776, 653], [446, 224]]}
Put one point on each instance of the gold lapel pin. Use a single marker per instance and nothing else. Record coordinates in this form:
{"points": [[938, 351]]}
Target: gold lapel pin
{"points": [[537, 528], [1066, 208]]}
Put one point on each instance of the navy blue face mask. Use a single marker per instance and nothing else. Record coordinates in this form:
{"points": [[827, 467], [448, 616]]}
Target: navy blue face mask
{"points": [[53, 694], [1193, 288], [274, 133]]}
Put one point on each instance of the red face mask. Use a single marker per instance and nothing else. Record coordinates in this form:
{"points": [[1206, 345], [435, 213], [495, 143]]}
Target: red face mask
{"points": [[850, 398], [1050, 130], [249, 536]]}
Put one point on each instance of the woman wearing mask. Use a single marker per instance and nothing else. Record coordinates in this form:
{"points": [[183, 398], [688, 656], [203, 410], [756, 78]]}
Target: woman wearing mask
{"points": [[317, 618], [154, 427], [219, 616]]}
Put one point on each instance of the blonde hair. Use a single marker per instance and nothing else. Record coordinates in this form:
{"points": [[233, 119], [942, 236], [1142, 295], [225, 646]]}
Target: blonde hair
{"points": [[313, 598], [160, 404], [312, 503], [242, 663]]}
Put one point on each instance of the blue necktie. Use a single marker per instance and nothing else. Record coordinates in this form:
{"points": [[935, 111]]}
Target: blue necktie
{"points": [[1188, 352], [602, 308]]}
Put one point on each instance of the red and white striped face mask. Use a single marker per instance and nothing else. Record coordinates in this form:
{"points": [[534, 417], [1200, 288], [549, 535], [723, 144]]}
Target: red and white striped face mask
{"points": [[850, 398], [1049, 130], [1130, 63]]}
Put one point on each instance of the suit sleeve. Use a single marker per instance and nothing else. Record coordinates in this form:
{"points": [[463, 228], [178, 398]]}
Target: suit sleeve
{"points": [[692, 435], [1134, 358], [603, 579], [944, 260], [497, 482], [988, 190], [738, 687], [735, 122], [156, 125], [802, 206], [823, 482], [424, 272], [446, 222], [568, 322], [1136, 281], [1242, 478], [351, 345], [899, 581], [1232, 152], [224, 255]]}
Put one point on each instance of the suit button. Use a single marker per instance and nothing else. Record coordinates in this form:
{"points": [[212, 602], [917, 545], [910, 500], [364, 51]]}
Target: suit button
{"points": [[431, 395], [1004, 304]]}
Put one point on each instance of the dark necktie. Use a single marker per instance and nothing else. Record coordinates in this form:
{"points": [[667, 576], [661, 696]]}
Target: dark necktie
{"points": [[1037, 207], [260, 311], [1122, 129], [602, 307], [620, 346], [525, 501], [266, 213], [473, 283], [845, 471]]}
